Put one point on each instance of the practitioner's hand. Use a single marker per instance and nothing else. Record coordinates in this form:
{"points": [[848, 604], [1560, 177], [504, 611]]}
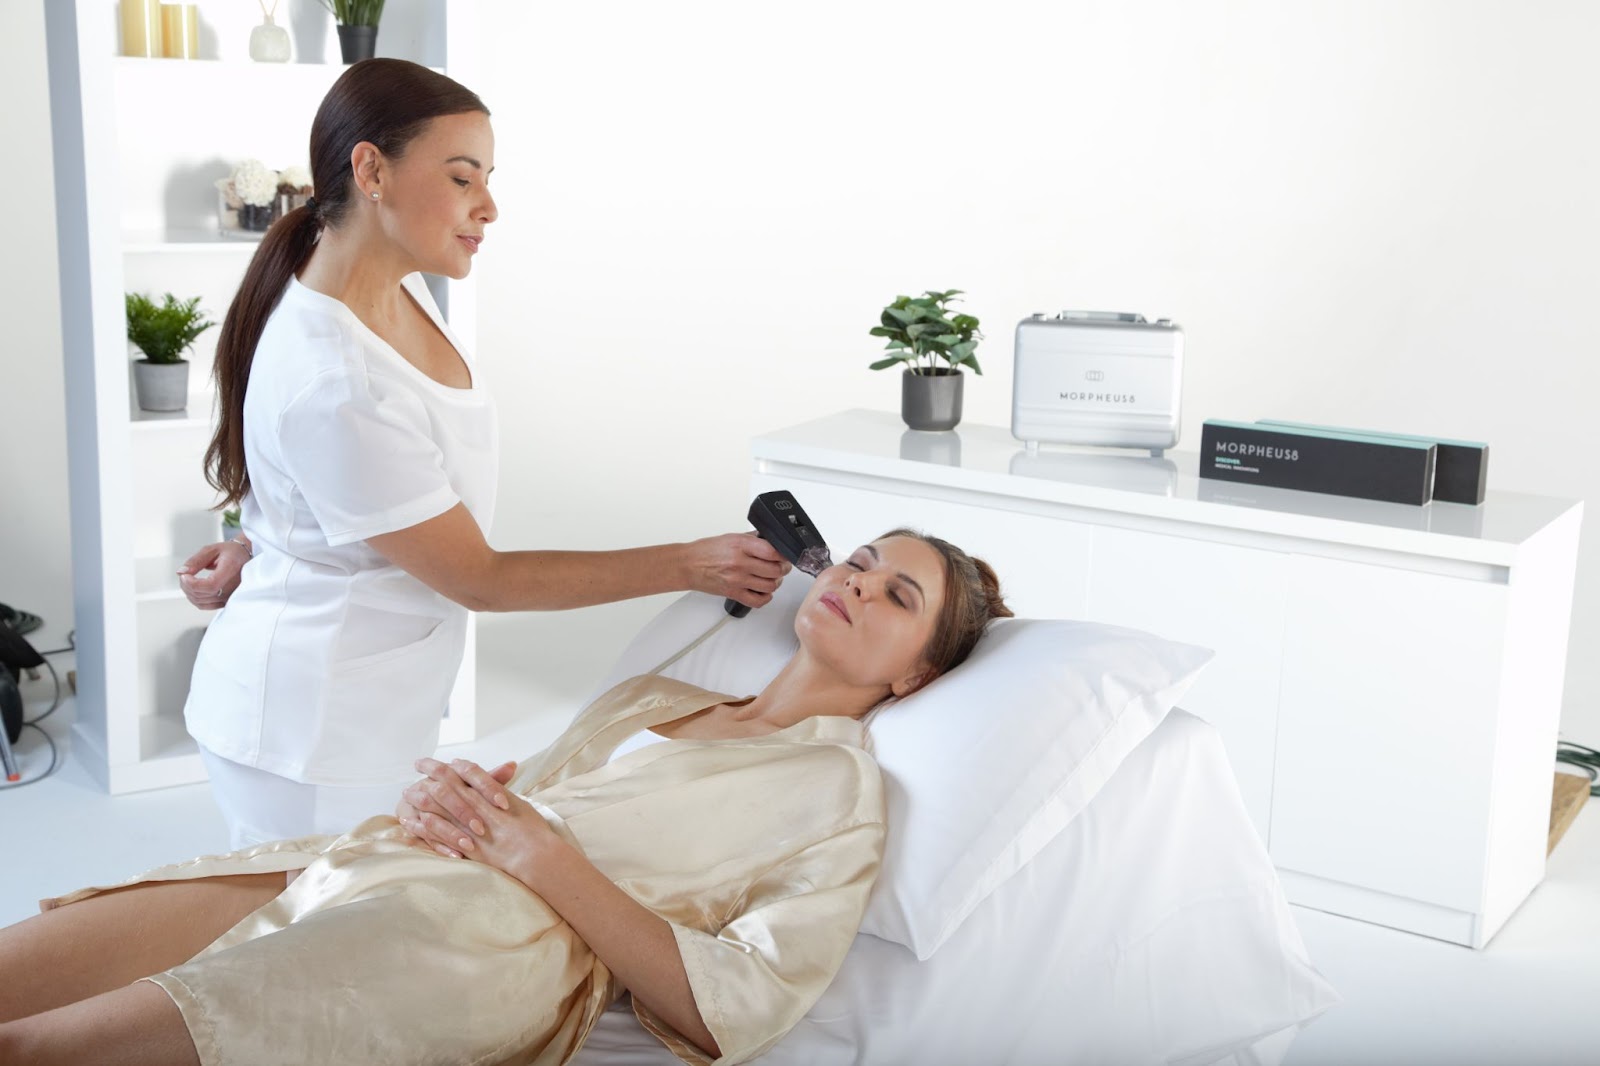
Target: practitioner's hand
{"points": [[462, 810], [224, 560], [739, 566]]}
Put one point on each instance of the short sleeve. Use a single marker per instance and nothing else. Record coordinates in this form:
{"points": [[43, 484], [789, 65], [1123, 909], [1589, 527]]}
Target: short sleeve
{"points": [[362, 457], [756, 978]]}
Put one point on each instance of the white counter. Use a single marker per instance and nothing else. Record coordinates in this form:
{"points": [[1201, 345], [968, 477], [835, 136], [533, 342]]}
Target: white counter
{"points": [[1388, 678]]}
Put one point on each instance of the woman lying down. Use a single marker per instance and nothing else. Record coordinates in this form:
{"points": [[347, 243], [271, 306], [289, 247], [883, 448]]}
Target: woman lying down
{"points": [[717, 867]]}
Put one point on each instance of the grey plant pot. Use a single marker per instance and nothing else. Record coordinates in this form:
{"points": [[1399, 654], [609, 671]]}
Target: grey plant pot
{"points": [[931, 401], [161, 386], [357, 42]]}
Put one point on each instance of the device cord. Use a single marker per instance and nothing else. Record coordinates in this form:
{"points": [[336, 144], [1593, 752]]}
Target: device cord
{"points": [[1584, 758], [33, 723], [692, 645]]}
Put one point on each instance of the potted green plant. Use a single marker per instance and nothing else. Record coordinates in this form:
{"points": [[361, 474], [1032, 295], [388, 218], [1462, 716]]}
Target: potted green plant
{"points": [[230, 524], [163, 332], [358, 26], [921, 332]]}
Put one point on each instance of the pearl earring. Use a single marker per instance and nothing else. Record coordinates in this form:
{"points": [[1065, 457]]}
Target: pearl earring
{"points": [[374, 196]]}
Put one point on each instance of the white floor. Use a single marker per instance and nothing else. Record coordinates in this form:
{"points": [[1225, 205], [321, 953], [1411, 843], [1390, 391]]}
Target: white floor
{"points": [[1529, 998]]}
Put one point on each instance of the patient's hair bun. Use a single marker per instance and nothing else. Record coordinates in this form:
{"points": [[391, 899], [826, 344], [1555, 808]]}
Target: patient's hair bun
{"points": [[992, 596]]}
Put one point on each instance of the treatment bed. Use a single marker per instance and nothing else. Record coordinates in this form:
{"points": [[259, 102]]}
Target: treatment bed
{"points": [[1148, 928]]}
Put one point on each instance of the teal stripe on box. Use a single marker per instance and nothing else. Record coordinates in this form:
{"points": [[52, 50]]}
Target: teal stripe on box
{"points": [[1330, 434], [1383, 434]]}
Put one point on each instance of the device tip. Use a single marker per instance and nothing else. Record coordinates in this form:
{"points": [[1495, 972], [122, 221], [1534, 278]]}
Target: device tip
{"points": [[814, 560]]}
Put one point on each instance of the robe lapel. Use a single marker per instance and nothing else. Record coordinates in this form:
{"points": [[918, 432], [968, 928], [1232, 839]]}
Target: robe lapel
{"points": [[638, 703]]}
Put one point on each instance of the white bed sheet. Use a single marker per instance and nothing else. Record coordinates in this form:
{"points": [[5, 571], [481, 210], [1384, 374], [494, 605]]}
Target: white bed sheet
{"points": [[1152, 930]]}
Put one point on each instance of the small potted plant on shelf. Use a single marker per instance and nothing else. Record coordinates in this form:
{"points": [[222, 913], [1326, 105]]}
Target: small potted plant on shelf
{"points": [[246, 199], [163, 332], [230, 523], [358, 26], [921, 331]]}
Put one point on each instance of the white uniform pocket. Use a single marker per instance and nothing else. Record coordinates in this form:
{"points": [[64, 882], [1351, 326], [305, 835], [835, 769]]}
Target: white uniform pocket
{"points": [[381, 712], [371, 635]]}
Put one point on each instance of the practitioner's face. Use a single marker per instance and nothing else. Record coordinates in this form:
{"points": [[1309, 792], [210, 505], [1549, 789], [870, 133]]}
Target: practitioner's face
{"points": [[435, 198], [871, 616]]}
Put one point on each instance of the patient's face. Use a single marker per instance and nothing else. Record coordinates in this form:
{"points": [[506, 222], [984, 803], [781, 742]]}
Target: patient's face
{"points": [[870, 616]]}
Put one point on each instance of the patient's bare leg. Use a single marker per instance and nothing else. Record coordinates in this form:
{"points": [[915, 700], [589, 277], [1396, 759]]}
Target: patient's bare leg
{"points": [[107, 941], [136, 1025]]}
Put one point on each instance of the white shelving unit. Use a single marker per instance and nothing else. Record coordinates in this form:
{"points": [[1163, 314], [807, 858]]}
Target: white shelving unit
{"points": [[138, 145]]}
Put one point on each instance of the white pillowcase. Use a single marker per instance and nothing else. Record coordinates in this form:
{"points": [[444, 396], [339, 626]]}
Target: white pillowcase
{"points": [[982, 767]]}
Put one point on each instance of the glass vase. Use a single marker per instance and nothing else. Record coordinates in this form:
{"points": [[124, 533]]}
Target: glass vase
{"points": [[288, 201], [269, 43], [242, 221]]}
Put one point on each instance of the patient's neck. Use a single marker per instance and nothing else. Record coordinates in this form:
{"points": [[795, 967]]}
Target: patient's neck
{"points": [[806, 689]]}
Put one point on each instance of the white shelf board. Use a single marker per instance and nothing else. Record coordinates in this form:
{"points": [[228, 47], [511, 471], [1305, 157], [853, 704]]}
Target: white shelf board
{"points": [[186, 241], [163, 736], [168, 756], [145, 421], [230, 67], [156, 578]]}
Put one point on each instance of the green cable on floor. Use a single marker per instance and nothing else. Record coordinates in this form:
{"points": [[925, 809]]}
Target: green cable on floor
{"points": [[1585, 758]]}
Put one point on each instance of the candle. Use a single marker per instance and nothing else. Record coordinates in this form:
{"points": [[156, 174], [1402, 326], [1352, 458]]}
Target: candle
{"points": [[141, 28], [180, 30]]}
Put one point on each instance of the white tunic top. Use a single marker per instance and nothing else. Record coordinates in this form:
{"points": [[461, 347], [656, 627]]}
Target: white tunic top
{"points": [[329, 665]]}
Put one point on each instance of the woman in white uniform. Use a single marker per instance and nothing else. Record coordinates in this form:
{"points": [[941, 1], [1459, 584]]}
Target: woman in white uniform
{"points": [[357, 437]]}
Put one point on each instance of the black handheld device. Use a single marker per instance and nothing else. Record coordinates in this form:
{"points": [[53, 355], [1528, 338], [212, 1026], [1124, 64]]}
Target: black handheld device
{"points": [[780, 521]]}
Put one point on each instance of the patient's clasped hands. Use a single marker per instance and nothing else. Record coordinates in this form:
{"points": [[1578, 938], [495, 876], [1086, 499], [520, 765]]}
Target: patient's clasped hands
{"points": [[464, 811]]}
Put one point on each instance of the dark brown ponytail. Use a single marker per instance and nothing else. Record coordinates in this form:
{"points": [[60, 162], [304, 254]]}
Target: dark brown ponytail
{"points": [[387, 102], [972, 599]]}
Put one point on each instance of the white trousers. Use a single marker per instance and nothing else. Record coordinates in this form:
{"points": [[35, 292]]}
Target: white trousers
{"points": [[260, 806]]}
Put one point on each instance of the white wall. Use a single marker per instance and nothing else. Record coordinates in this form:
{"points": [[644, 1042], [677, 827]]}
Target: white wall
{"points": [[35, 534], [1378, 214]]}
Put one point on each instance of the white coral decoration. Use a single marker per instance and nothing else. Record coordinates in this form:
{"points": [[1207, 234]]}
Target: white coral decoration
{"points": [[254, 184], [298, 176]]}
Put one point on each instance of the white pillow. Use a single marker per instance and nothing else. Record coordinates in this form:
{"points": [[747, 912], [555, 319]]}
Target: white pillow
{"points": [[984, 766]]}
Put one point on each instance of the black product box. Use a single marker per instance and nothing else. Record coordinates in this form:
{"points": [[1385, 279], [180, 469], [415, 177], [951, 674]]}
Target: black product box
{"points": [[1319, 460], [1461, 467]]}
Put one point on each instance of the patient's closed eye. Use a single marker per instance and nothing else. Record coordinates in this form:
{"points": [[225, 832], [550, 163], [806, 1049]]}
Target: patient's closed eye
{"points": [[894, 592]]}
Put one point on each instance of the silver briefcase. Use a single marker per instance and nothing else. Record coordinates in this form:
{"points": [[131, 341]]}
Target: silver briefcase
{"points": [[1097, 377]]}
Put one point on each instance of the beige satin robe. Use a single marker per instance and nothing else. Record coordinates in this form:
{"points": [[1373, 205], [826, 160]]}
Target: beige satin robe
{"points": [[760, 852]]}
